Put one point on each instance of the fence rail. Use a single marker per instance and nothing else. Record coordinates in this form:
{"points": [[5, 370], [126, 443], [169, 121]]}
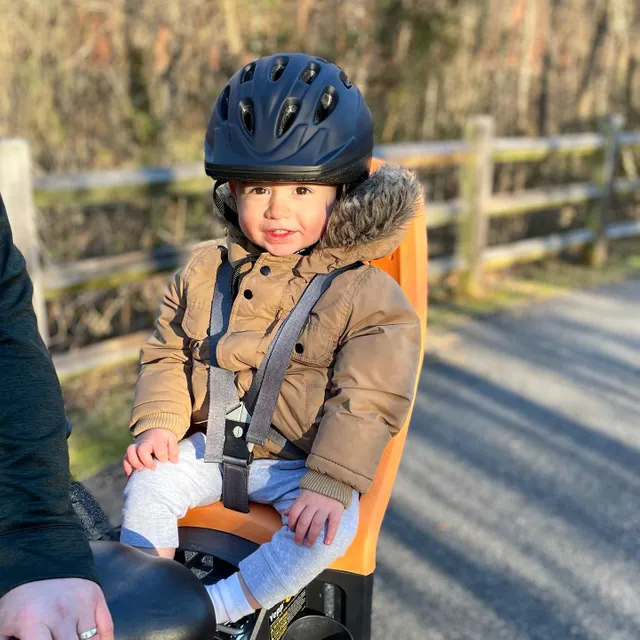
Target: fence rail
{"points": [[476, 155]]}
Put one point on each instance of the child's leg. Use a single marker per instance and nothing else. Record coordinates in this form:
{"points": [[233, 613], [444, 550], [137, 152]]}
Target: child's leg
{"points": [[280, 568], [154, 499]]}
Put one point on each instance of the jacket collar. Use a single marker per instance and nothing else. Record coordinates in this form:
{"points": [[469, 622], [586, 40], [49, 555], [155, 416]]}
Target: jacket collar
{"points": [[318, 261]]}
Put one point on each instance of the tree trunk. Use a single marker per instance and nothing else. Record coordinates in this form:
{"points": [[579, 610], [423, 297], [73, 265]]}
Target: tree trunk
{"points": [[525, 71], [234, 39]]}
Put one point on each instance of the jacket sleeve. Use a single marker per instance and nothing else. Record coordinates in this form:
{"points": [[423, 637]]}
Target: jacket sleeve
{"points": [[371, 389], [163, 394], [40, 537]]}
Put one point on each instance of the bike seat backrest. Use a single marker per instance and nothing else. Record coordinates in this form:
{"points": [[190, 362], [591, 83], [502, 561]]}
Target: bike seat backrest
{"points": [[152, 598]]}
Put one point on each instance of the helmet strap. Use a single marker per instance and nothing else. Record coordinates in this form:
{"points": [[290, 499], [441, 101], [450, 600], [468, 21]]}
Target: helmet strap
{"points": [[229, 214]]}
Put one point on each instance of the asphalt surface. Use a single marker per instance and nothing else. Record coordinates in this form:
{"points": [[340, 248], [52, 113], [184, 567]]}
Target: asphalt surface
{"points": [[516, 511]]}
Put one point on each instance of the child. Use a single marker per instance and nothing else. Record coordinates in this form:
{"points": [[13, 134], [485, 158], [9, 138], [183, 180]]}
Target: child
{"points": [[290, 142]]}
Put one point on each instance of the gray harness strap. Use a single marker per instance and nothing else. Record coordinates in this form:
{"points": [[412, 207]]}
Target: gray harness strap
{"points": [[224, 403], [223, 396], [265, 389], [231, 432], [228, 420]]}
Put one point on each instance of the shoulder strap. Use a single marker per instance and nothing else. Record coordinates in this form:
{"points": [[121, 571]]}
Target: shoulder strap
{"points": [[223, 396], [263, 395], [228, 441]]}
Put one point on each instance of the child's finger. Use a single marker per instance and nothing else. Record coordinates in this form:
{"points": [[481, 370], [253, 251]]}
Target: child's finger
{"points": [[332, 527], [128, 469], [293, 514], [317, 525], [145, 451], [304, 521], [161, 451], [173, 450], [132, 457]]}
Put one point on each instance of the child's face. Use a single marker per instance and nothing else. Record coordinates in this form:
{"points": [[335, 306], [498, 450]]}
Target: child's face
{"points": [[283, 218]]}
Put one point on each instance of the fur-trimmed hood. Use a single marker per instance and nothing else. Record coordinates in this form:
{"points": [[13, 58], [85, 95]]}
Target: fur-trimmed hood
{"points": [[366, 223]]}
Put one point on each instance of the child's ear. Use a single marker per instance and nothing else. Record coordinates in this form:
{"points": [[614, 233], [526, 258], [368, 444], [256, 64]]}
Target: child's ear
{"points": [[232, 186]]}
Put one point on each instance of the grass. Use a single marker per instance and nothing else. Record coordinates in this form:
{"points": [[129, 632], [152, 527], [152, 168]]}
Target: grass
{"points": [[99, 404], [528, 283]]}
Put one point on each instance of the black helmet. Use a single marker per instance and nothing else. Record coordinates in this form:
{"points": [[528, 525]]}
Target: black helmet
{"points": [[291, 118]]}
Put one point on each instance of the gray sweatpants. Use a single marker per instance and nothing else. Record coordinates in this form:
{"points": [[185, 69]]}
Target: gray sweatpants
{"points": [[154, 499]]}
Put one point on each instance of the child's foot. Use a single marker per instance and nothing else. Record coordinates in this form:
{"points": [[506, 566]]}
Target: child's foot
{"points": [[240, 630]]}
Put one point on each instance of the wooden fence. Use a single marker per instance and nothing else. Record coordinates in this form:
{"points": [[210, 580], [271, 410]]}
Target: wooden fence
{"points": [[476, 154]]}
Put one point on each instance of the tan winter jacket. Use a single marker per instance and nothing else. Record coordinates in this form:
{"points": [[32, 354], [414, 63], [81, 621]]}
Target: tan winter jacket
{"points": [[350, 383]]}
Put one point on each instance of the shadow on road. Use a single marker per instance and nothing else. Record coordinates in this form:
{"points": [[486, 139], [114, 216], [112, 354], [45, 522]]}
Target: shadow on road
{"points": [[516, 510]]}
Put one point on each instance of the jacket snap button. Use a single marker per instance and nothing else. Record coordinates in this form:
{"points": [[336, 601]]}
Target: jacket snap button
{"points": [[248, 294], [265, 271], [299, 348]]}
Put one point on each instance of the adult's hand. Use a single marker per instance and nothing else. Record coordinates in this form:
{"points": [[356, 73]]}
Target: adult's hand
{"points": [[57, 609]]}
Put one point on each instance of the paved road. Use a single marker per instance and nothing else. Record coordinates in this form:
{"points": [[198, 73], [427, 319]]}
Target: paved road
{"points": [[516, 514]]}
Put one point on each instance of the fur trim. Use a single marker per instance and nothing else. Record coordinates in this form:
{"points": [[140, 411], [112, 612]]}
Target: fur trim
{"points": [[375, 211]]}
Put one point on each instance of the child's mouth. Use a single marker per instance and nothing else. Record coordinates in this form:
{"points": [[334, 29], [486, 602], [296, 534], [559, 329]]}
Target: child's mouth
{"points": [[278, 235]]}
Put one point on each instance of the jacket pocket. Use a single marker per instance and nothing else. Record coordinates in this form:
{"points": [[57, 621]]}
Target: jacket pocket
{"points": [[195, 325], [315, 346], [196, 320]]}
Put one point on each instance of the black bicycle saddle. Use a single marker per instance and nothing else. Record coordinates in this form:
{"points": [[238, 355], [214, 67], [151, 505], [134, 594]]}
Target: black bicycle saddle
{"points": [[152, 598]]}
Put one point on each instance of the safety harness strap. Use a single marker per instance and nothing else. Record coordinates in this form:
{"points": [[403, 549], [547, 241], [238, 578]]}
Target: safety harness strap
{"points": [[263, 394], [223, 397], [231, 430]]}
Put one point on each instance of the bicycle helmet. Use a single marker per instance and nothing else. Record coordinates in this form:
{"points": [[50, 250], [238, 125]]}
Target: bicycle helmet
{"points": [[289, 117]]}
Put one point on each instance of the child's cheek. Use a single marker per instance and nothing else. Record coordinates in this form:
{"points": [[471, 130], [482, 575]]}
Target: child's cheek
{"points": [[247, 226]]}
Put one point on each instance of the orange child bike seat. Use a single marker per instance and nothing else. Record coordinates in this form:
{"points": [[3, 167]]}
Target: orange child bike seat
{"points": [[408, 266]]}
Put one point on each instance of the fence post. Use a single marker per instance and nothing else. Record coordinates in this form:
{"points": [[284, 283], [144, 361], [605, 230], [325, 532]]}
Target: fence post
{"points": [[16, 187], [603, 176], [476, 185]]}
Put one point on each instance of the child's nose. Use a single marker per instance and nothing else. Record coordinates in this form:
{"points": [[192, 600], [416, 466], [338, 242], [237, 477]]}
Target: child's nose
{"points": [[278, 209]]}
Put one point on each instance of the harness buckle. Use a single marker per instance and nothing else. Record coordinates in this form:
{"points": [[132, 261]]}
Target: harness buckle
{"points": [[237, 450]]}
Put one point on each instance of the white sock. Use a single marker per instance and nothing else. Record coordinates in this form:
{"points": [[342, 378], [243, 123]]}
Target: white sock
{"points": [[229, 600]]}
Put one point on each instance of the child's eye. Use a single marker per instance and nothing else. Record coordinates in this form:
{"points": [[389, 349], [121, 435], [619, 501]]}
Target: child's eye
{"points": [[259, 191], [302, 191]]}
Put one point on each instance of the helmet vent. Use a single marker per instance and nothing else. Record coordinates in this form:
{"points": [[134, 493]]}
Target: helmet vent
{"points": [[288, 115], [246, 115], [345, 79], [278, 68], [310, 73], [248, 73], [223, 102], [326, 104]]}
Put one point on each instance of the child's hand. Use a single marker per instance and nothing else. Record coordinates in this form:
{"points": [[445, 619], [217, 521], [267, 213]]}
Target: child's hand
{"points": [[161, 443], [309, 513]]}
